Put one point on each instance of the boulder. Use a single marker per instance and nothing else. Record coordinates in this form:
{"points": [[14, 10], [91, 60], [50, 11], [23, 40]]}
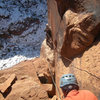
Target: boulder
{"points": [[28, 86], [4, 86], [74, 27], [27, 89]]}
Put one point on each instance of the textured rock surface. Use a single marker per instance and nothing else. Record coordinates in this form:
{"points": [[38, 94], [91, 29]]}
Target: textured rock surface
{"points": [[1, 97], [81, 30], [85, 67], [28, 86], [7, 83], [75, 26], [47, 53], [88, 66]]}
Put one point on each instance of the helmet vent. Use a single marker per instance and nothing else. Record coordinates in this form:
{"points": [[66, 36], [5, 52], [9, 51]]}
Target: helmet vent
{"points": [[68, 79], [72, 75], [69, 75]]}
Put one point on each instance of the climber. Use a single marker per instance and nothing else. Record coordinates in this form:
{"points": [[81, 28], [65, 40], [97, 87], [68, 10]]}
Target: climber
{"points": [[70, 89]]}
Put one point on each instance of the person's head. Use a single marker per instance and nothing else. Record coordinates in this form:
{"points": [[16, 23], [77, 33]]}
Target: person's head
{"points": [[68, 82]]}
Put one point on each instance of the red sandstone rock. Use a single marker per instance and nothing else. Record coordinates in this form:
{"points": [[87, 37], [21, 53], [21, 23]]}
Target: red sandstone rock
{"points": [[4, 86], [28, 85], [1, 97], [55, 98], [75, 26]]}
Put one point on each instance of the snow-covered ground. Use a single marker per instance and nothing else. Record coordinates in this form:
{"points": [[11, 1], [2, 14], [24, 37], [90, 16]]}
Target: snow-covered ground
{"points": [[27, 45]]}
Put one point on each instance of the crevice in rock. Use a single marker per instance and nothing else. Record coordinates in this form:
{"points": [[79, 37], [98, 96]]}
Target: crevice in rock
{"points": [[64, 5], [43, 79], [87, 72], [97, 37], [7, 92], [52, 92], [47, 81], [50, 95]]}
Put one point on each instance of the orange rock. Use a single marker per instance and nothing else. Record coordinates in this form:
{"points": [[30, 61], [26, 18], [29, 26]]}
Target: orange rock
{"points": [[27, 85], [49, 88], [1, 97], [4, 86], [54, 98]]}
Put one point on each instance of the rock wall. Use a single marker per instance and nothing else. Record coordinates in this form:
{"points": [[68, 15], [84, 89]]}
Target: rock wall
{"points": [[75, 27], [71, 46], [28, 80]]}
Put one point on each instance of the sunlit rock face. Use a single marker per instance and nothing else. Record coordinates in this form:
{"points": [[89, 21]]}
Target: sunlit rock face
{"points": [[78, 26], [81, 30], [75, 28]]}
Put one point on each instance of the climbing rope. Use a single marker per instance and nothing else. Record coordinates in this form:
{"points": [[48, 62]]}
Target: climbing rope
{"points": [[55, 49], [51, 73], [49, 64], [82, 69]]}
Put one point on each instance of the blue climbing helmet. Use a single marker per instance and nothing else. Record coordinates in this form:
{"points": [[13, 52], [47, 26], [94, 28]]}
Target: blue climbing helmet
{"points": [[68, 79]]}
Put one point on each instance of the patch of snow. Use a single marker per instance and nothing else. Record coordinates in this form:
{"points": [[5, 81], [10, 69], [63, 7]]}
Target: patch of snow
{"points": [[27, 45]]}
